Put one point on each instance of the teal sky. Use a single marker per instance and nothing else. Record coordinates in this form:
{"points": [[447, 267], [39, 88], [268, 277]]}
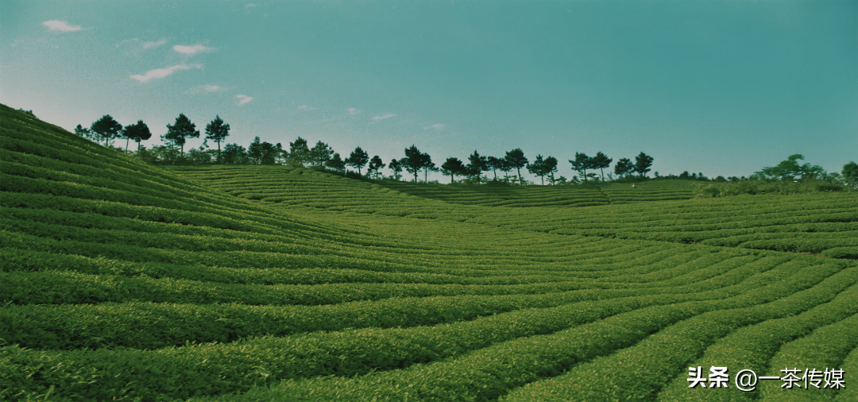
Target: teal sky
{"points": [[719, 87]]}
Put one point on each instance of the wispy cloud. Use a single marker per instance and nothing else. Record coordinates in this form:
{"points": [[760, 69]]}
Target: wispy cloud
{"points": [[305, 108], [382, 117], [61, 26], [191, 49], [163, 72], [353, 111], [242, 99], [204, 89], [250, 5], [150, 45], [436, 127]]}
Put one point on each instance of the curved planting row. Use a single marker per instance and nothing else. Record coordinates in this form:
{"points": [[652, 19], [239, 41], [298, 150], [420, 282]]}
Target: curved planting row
{"points": [[258, 282]]}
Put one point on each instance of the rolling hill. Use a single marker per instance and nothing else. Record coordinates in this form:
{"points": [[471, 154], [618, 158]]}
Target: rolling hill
{"points": [[126, 281]]}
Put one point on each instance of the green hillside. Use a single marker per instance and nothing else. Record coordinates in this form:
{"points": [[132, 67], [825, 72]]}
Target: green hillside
{"points": [[820, 223], [122, 281]]}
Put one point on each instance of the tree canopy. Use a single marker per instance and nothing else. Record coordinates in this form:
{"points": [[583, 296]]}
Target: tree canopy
{"points": [[413, 161], [550, 167], [790, 170], [427, 165], [542, 167], [624, 167], [580, 164], [850, 174], [358, 159], [600, 161], [262, 153], [494, 163], [395, 166], [85, 133], [106, 128], [137, 132], [375, 164], [516, 159], [476, 165], [336, 163], [180, 131], [453, 167], [299, 151], [643, 163], [217, 131], [320, 154]]}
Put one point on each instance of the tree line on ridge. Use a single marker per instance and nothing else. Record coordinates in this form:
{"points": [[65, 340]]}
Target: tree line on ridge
{"points": [[322, 156]]}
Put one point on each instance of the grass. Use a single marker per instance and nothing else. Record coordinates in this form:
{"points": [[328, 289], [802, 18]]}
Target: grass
{"points": [[120, 280]]}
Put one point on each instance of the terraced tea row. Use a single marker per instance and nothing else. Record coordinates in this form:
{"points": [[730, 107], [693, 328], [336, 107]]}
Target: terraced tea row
{"points": [[306, 187], [119, 281], [821, 223]]}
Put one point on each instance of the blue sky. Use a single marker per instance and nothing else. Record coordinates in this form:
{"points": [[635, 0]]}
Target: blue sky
{"points": [[719, 87]]}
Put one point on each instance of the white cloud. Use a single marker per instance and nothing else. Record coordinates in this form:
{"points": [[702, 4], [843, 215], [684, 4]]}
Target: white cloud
{"points": [[61, 26], [149, 45], [353, 111], [163, 72], [191, 49], [250, 5], [204, 88], [305, 108], [242, 99], [386, 116], [436, 126]]}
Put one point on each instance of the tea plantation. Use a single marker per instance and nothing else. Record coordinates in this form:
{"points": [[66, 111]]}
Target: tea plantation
{"points": [[123, 281]]}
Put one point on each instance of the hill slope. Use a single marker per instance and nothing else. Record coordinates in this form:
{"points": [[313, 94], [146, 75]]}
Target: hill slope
{"points": [[819, 223], [123, 281]]}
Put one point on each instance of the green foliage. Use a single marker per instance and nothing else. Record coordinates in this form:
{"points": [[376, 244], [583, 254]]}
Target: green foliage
{"points": [[375, 165], [476, 165], [542, 167], [85, 133], [624, 167], [138, 132], [453, 167], [320, 154], [235, 154], [261, 153], [106, 128], [850, 174], [299, 152], [358, 159], [180, 131], [516, 159], [336, 163], [790, 170], [396, 167], [217, 131], [642, 164], [126, 281], [756, 186], [412, 162]]}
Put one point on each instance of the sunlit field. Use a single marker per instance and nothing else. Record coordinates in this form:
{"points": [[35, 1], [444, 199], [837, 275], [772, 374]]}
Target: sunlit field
{"points": [[124, 281]]}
